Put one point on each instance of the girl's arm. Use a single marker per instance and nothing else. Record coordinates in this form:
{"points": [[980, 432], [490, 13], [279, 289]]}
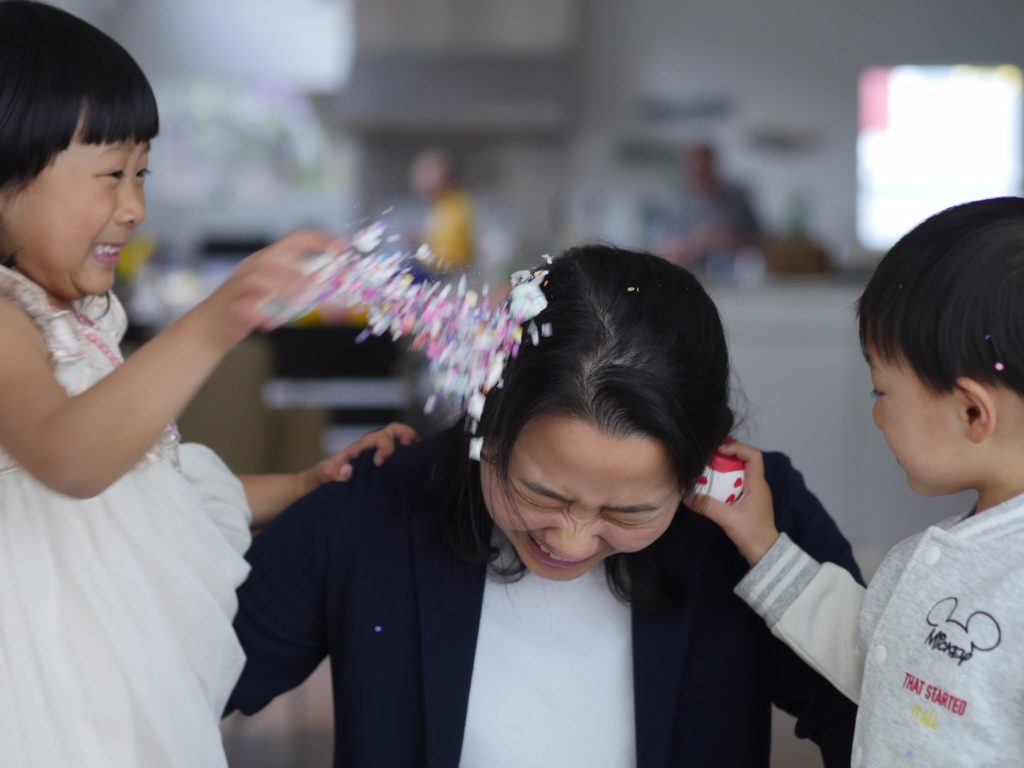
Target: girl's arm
{"points": [[812, 607], [80, 445], [268, 495]]}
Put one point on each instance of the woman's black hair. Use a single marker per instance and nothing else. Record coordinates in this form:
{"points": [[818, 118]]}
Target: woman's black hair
{"points": [[61, 79], [636, 350], [948, 299]]}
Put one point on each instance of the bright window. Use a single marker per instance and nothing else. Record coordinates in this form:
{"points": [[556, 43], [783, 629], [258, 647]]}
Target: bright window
{"points": [[931, 137]]}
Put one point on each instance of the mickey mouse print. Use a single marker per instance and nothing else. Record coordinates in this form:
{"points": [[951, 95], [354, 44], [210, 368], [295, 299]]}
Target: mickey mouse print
{"points": [[958, 636]]}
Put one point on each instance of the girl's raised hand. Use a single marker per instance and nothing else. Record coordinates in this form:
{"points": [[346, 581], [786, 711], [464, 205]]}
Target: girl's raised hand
{"points": [[339, 466], [269, 277], [750, 521]]}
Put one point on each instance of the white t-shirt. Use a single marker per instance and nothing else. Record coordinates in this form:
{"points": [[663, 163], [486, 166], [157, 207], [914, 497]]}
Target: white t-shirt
{"points": [[553, 676]]}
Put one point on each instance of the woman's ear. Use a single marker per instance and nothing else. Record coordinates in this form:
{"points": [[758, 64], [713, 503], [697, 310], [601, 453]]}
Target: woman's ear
{"points": [[976, 408]]}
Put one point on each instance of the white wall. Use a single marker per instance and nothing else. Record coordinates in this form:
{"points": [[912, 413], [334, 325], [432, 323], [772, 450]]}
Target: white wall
{"points": [[787, 63]]}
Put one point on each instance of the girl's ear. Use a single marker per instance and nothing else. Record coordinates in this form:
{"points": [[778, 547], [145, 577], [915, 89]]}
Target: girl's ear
{"points": [[976, 408]]}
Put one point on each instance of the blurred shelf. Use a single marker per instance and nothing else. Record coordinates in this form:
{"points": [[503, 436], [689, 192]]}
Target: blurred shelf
{"points": [[338, 394]]}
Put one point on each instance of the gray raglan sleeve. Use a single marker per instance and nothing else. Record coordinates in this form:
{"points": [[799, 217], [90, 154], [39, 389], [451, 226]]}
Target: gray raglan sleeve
{"points": [[812, 607]]}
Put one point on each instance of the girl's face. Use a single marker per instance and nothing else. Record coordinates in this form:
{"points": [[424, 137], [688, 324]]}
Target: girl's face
{"points": [[575, 495], [67, 226]]}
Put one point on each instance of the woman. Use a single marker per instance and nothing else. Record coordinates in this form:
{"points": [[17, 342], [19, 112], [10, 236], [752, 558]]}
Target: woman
{"points": [[555, 603]]}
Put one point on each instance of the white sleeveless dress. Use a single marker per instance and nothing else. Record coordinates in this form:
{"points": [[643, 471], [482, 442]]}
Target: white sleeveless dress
{"points": [[116, 644]]}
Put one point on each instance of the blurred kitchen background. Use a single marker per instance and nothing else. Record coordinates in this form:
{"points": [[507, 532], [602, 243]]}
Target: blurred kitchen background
{"points": [[836, 126]]}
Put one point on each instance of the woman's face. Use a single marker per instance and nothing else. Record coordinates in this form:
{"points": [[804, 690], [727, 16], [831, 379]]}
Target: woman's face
{"points": [[574, 495]]}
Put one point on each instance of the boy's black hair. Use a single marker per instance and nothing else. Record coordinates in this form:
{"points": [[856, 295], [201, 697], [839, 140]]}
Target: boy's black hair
{"points": [[61, 78], [637, 349], [948, 299]]}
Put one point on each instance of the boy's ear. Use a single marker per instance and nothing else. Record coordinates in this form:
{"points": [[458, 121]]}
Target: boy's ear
{"points": [[976, 408]]}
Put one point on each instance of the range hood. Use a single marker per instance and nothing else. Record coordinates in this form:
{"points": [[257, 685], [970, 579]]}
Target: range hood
{"points": [[467, 92], [307, 45]]}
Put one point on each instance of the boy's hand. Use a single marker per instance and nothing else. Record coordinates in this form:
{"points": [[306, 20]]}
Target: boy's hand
{"points": [[338, 467], [749, 522]]}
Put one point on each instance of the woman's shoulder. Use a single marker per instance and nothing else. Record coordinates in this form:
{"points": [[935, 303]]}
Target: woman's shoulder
{"points": [[784, 479], [374, 496], [800, 514]]}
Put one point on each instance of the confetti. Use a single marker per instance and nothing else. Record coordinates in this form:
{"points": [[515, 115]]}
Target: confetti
{"points": [[467, 343], [368, 240]]}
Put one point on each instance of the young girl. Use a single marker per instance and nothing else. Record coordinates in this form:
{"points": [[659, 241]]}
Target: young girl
{"points": [[120, 549], [933, 658]]}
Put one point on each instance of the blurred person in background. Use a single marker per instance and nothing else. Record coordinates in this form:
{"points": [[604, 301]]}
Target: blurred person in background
{"points": [[448, 228], [711, 219]]}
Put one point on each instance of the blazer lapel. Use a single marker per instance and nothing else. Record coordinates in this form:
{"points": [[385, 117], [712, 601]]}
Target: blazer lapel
{"points": [[450, 599], [659, 647]]}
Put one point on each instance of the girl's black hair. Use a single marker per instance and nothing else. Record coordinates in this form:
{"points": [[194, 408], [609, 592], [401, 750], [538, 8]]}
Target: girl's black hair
{"points": [[636, 349], [61, 78], [948, 299]]}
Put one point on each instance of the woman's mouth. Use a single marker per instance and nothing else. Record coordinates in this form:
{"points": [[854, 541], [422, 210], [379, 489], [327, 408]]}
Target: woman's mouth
{"points": [[545, 555]]}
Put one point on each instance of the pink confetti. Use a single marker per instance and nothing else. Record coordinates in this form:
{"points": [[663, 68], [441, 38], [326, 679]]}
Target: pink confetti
{"points": [[467, 342]]}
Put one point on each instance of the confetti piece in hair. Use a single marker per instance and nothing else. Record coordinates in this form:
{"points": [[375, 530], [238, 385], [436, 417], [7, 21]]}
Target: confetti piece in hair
{"points": [[475, 406], [476, 446], [1000, 367], [526, 299]]}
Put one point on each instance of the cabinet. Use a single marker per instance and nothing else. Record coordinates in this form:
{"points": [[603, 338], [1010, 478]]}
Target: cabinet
{"points": [[523, 27]]}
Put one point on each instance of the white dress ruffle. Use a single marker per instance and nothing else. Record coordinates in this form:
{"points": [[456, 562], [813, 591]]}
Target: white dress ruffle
{"points": [[116, 644]]}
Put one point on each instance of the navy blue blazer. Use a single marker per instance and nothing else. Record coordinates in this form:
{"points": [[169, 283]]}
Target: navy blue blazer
{"points": [[359, 571]]}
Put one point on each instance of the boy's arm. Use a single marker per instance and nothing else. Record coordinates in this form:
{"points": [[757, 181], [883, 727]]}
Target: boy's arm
{"points": [[823, 713], [813, 608]]}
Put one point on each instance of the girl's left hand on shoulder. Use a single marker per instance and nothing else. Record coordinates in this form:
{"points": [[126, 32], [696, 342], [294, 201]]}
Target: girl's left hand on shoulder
{"points": [[338, 467], [749, 522]]}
